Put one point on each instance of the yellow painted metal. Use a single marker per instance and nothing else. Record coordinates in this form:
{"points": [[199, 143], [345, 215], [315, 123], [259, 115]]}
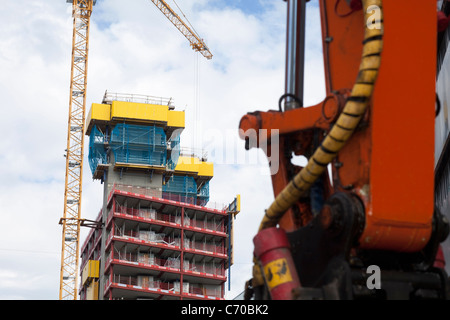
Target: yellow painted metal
{"points": [[176, 119], [206, 169], [139, 112], [194, 166], [100, 112], [238, 203], [140, 166], [97, 113], [134, 112], [92, 291], [81, 12], [196, 42], [90, 271], [277, 272], [188, 165], [235, 207]]}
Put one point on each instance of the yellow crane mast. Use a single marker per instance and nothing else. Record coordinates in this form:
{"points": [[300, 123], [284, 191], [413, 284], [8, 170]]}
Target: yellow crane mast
{"points": [[71, 220]]}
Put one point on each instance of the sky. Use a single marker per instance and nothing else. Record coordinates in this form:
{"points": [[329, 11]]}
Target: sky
{"points": [[134, 49]]}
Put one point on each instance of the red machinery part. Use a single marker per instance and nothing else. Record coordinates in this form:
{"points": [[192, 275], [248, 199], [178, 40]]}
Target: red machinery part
{"points": [[440, 259], [443, 21], [272, 249], [356, 5]]}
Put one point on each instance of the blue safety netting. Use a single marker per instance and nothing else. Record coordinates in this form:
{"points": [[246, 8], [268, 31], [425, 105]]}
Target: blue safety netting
{"points": [[175, 153], [139, 144], [203, 195], [181, 188], [97, 152]]}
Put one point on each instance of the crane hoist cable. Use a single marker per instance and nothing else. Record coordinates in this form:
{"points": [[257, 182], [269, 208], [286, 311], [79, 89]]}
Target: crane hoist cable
{"points": [[197, 43], [340, 133], [196, 100], [187, 20], [196, 81]]}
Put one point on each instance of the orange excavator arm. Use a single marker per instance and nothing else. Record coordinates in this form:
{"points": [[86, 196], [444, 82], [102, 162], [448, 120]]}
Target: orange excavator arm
{"points": [[363, 199]]}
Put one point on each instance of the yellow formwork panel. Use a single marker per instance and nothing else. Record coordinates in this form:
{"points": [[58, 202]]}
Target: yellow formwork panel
{"points": [[134, 112], [98, 112], [195, 166], [90, 271], [139, 111], [206, 169], [176, 119], [188, 164]]}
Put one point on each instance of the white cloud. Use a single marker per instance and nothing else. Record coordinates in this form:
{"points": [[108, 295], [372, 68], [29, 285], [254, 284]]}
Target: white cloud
{"points": [[13, 279], [133, 49]]}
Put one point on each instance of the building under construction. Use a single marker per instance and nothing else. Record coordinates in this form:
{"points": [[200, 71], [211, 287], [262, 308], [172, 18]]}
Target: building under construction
{"points": [[154, 237], [134, 155]]}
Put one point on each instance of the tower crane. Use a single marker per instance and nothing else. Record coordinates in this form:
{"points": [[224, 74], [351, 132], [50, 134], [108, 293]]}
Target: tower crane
{"points": [[71, 220], [196, 42]]}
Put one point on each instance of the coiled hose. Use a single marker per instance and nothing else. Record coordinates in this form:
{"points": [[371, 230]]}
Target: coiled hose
{"points": [[348, 120]]}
